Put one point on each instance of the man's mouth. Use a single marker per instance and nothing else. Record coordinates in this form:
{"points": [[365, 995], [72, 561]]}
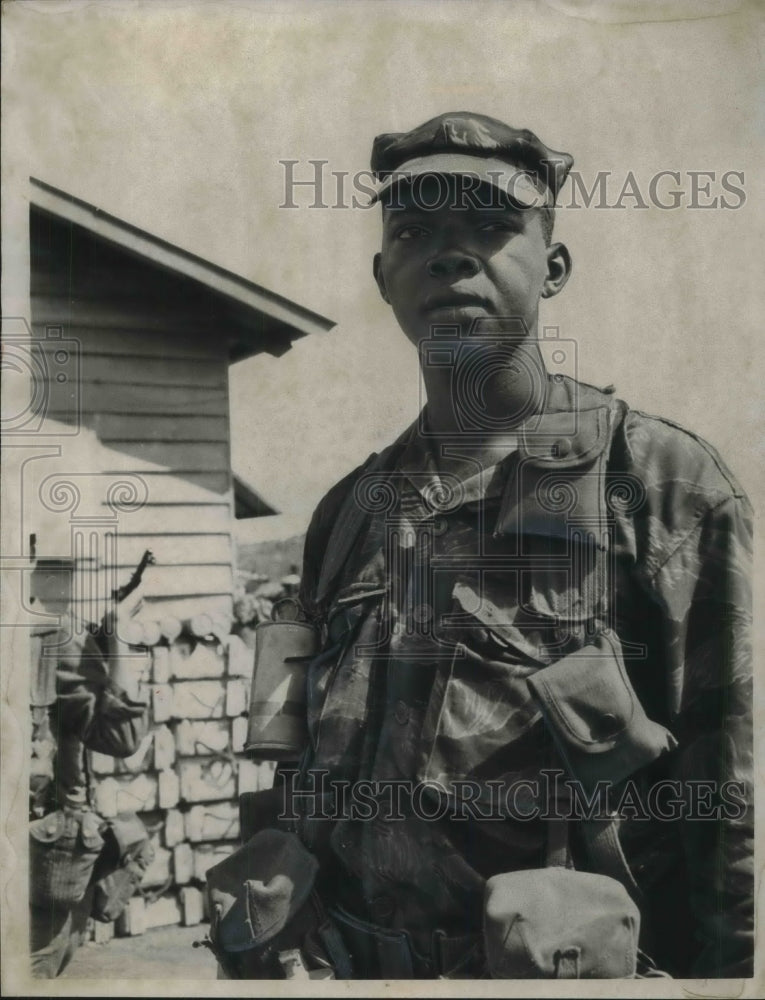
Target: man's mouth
{"points": [[453, 300]]}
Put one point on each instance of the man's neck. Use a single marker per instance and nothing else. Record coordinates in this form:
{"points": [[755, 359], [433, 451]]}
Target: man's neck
{"points": [[480, 401]]}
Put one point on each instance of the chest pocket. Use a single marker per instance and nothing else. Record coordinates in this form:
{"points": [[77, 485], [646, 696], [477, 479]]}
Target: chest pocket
{"points": [[555, 510], [479, 722], [595, 717], [563, 592]]}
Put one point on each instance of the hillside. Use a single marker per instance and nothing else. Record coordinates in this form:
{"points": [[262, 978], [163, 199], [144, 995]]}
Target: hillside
{"points": [[273, 559]]}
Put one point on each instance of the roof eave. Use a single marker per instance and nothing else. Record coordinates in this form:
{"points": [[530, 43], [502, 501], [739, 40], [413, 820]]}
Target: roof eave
{"points": [[284, 316], [248, 503]]}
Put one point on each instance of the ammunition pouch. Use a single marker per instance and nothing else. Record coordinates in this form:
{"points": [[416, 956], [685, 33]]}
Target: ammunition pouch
{"points": [[126, 855], [63, 848], [103, 719], [117, 726], [554, 923], [266, 921], [595, 717]]}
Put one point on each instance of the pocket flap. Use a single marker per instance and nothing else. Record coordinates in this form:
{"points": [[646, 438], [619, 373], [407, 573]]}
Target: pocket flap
{"points": [[49, 829], [587, 696], [90, 831], [128, 832], [553, 923], [119, 707], [349, 607], [478, 609], [566, 439], [596, 719]]}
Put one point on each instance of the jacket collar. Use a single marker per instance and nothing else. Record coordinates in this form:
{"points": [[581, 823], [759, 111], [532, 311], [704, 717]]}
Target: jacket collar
{"points": [[565, 440], [560, 477], [570, 434]]}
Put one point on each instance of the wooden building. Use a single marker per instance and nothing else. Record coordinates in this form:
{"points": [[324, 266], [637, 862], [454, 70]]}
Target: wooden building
{"points": [[127, 444], [134, 338]]}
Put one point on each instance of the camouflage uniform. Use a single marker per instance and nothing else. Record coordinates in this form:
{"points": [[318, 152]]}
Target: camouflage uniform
{"points": [[439, 600]]}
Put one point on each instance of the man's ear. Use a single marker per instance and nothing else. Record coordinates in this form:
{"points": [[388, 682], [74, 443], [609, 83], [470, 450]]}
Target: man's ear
{"points": [[377, 271], [558, 269]]}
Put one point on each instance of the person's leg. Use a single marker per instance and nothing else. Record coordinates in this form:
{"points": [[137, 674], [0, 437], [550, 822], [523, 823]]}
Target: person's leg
{"points": [[78, 928], [49, 933]]}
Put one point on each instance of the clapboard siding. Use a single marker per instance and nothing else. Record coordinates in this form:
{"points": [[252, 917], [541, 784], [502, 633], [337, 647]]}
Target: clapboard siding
{"points": [[189, 487], [182, 608], [183, 550], [153, 607], [160, 581], [129, 369], [111, 340], [172, 519], [186, 607], [129, 357], [176, 457], [85, 315], [115, 397], [153, 427], [133, 342]]}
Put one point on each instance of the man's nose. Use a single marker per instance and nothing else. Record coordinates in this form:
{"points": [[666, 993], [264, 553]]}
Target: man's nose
{"points": [[453, 263]]}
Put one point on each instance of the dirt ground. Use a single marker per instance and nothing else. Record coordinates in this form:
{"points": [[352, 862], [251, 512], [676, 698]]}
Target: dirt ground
{"points": [[161, 953]]}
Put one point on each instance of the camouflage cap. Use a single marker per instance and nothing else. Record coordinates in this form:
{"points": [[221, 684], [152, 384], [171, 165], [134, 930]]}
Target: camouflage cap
{"points": [[460, 142]]}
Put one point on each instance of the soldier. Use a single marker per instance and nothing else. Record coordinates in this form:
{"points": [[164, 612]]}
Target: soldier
{"points": [[534, 688], [84, 696]]}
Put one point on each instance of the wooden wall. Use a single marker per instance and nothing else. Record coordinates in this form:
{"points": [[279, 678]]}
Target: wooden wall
{"points": [[135, 370]]}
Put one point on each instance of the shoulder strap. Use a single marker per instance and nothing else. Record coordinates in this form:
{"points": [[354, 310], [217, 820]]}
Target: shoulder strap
{"points": [[604, 851], [351, 519], [601, 838]]}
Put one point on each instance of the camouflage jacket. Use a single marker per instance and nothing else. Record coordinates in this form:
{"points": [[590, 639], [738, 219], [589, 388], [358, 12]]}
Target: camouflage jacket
{"points": [[612, 530]]}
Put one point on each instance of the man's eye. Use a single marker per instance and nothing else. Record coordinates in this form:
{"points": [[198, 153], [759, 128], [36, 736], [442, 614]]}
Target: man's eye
{"points": [[498, 226], [411, 232]]}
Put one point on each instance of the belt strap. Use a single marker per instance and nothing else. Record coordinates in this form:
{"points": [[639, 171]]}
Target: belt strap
{"points": [[452, 955], [601, 839], [382, 953], [558, 854], [331, 939], [567, 963], [376, 952]]}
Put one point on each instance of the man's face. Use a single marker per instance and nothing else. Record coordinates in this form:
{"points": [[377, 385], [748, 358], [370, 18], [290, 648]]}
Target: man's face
{"points": [[451, 264]]}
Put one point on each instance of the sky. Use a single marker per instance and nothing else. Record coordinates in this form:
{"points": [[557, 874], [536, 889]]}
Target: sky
{"points": [[175, 117]]}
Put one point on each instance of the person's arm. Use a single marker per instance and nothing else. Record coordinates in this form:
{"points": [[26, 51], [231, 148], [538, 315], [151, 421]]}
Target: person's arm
{"points": [[704, 586], [313, 553], [318, 537]]}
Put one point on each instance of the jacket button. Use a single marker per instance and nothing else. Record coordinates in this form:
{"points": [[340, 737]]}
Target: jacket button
{"points": [[562, 447], [401, 713]]}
